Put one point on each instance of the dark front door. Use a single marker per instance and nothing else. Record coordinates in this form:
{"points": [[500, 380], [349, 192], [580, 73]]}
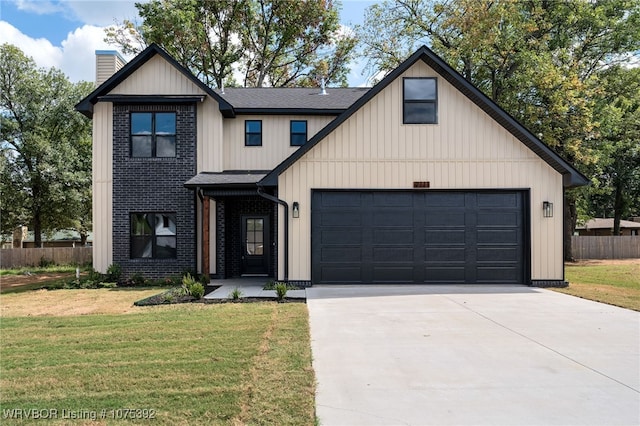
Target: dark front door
{"points": [[255, 247]]}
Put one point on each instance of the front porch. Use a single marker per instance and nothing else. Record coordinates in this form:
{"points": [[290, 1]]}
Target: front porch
{"points": [[249, 287]]}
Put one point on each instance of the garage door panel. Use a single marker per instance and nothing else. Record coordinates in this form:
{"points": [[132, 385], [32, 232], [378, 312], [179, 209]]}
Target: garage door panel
{"points": [[502, 201], [341, 236], [444, 254], [445, 199], [341, 254], [393, 236], [393, 254], [444, 275], [382, 274], [498, 254], [501, 219], [444, 219], [341, 218], [398, 199], [339, 199], [391, 217], [498, 236], [497, 274], [444, 237], [341, 274], [418, 237]]}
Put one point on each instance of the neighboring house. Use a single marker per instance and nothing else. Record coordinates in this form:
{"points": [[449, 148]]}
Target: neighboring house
{"points": [[601, 226], [420, 179], [23, 238]]}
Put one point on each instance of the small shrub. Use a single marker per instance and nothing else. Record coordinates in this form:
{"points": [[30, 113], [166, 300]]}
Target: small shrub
{"points": [[45, 263], [281, 291], [114, 272], [271, 285], [197, 290], [236, 294], [137, 280], [94, 275]]}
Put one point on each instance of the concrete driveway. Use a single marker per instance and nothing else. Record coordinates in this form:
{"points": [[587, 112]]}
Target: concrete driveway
{"points": [[472, 355]]}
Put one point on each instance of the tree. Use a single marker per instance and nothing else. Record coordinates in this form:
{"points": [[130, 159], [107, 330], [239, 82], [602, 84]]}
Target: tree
{"points": [[270, 43], [616, 188], [45, 169], [539, 60]]}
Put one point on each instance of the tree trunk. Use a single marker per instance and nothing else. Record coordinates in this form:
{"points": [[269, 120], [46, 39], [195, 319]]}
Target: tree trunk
{"points": [[83, 239], [37, 229], [618, 206]]}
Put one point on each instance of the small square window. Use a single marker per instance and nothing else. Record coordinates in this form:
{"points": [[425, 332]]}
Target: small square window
{"points": [[253, 132], [420, 101], [298, 132]]}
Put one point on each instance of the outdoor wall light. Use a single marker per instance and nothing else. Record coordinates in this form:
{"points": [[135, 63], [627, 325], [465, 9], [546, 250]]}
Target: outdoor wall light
{"points": [[547, 208], [295, 211]]}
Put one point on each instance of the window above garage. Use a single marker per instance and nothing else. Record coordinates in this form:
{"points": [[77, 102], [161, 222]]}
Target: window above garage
{"points": [[420, 100]]}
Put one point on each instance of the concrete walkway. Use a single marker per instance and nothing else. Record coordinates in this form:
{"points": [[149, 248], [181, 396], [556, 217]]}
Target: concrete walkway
{"points": [[249, 288], [472, 355]]}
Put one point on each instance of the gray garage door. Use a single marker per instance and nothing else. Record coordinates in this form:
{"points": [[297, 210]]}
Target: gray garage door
{"points": [[433, 237]]}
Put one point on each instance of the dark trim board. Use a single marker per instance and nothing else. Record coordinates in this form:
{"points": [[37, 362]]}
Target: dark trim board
{"points": [[420, 237]]}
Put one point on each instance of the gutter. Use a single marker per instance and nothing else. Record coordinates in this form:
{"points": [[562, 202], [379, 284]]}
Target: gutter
{"points": [[286, 227]]}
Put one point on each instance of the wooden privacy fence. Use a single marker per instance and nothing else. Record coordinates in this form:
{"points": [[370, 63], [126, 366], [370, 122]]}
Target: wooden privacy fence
{"points": [[16, 258], [606, 247]]}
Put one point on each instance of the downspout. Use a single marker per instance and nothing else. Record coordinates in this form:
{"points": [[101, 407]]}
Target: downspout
{"points": [[286, 228]]}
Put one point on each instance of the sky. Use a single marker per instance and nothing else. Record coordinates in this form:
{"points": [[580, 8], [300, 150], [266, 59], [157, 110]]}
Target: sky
{"points": [[66, 33]]}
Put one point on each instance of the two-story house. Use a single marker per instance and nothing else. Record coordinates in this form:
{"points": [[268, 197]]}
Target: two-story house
{"points": [[420, 179]]}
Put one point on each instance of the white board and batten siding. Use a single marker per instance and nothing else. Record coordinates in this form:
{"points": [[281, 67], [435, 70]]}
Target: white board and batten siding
{"points": [[467, 149], [154, 77], [276, 143]]}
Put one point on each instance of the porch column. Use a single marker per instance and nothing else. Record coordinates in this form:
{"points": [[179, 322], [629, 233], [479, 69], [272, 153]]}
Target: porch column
{"points": [[206, 269]]}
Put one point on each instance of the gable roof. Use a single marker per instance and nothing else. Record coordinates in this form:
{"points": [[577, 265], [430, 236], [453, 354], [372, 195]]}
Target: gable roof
{"points": [[85, 106], [291, 100], [571, 176]]}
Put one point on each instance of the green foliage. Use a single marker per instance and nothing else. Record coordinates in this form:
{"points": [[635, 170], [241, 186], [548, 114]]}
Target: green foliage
{"points": [[45, 166], [45, 263], [114, 272], [271, 285], [274, 43], [192, 287], [137, 280], [236, 294], [281, 291]]}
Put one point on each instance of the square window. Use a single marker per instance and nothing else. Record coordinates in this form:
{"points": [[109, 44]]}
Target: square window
{"points": [[153, 134], [298, 132], [253, 132], [153, 235], [420, 100]]}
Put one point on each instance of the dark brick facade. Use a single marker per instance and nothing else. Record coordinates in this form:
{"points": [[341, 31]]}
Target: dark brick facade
{"points": [[229, 211], [142, 185]]}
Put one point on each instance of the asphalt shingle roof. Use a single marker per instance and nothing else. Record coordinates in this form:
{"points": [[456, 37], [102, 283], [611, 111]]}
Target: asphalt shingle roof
{"points": [[226, 178], [291, 97]]}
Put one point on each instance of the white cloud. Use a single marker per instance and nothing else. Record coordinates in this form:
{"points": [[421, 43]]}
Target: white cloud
{"points": [[40, 49], [103, 13], [40, 7], [75, 57]]}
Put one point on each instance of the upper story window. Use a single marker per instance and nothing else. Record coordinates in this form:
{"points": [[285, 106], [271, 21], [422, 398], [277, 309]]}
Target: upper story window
{"points": [[420, 97], [153, 235], [153, 134], [253, 133], [298, 132]]}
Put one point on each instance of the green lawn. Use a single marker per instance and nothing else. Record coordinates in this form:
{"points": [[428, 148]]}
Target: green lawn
{"points": [[189, 364], [615, 284]]}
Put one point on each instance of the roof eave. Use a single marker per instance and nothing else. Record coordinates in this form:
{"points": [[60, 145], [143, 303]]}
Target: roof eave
{"points": [[85, 106]]}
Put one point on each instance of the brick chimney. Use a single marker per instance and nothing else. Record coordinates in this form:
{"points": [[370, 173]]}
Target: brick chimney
{"points": [[108, 62]]}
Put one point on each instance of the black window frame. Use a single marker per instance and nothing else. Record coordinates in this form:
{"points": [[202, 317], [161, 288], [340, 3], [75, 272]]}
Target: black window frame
{"points": [[293, 135], [156, 250], [154, 135], [248, 134], [424, 101]]}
